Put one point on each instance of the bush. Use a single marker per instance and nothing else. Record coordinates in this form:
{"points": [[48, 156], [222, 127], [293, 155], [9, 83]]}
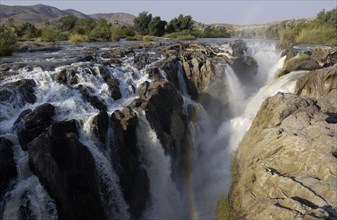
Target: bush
{"points": [[148, 38], [183, 35], [52, 35], [77, 38], [186, 37], [287, 36], [7, 41], [323, 34], [223, 209]]}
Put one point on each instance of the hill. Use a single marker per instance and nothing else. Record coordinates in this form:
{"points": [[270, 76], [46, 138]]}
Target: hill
{"points": [[40, 14]]}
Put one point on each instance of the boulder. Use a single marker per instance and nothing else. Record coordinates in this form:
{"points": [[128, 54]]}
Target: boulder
{"points": [[318, 83], [286, 162], [7, 165], [20, 92], [299, 62], [67, 76], [239, 48], [245, 68], [95, 101], [325, 56], [66, 168], [126, 159], [31, 124], [100, 125], [112, 82]]}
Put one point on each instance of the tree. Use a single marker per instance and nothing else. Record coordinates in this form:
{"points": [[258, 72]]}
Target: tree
{"points": [[7, 41], [84, 25], [67, 23], [157, 27], [102, 30], [180, 23], [27, 31], [141, 22]]}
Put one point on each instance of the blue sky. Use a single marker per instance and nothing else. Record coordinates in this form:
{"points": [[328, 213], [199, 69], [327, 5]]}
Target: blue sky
{"points": [[219, 11]]}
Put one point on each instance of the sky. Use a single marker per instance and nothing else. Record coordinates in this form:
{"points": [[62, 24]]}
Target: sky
{"points": [[209, 12]]}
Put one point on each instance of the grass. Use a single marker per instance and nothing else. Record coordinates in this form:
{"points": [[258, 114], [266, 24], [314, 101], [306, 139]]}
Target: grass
{"points": [[227, 205], [148, 38], [183, 35], [77, 38], [323, 34]]}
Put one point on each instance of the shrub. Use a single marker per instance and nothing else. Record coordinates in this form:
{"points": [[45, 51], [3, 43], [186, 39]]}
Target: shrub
{"points": [[148, 38], [322, 34], [77, 38], [186, 37], [287, 36], [7, 41], [52, 35]]}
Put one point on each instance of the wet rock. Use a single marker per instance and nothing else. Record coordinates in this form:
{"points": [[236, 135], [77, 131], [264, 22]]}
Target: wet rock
{"points": [[92, 99], [285, 162], [66, 168], [100, 125], [318, 83], [245, 68], [239, 48], [299, 62], [126, 157], [31, 124], [7, 165], [170, 67], [112, 82], [67, 77], [20, 92]]}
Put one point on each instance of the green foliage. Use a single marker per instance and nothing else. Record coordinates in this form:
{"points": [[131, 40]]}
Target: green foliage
{"points": [[102, 30], [148, 38], [66, 23], [214, 32], [51, 35], [287, 36], [324, 34], [141, 22], [186, 37], [77, 38], [7, 40], [118, 33], [84, 26], [223, 209], [28, 31], [180, 23], [157, 27]]}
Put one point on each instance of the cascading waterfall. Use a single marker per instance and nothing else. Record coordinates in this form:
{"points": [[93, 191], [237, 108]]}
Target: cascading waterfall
{"points": [[27, 188], [165, 198]]}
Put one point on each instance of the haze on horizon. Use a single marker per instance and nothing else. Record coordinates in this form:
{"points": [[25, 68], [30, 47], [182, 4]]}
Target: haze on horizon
{"points": [[209, 12]]}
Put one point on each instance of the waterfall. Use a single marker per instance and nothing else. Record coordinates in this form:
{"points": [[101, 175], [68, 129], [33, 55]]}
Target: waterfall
{"points": [[27, 192], [165, 198]]}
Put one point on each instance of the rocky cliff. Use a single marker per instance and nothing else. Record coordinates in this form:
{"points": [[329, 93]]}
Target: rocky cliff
{"points": [[287, 160]]}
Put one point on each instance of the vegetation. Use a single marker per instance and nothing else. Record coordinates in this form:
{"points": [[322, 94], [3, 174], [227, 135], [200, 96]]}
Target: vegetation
{"points": [[7, 41], [223, 209], [321, 30]]}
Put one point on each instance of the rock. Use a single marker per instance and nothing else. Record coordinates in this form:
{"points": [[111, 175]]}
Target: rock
{"points": [[163, 106], [7, 165], [317, 83], [67, 77], [299, 62], [66, 168], [198, 72], [112, 82], [21, 92], [31, 124], [170, 67], [126, 157], [325, 56], [100, 125], [286, 168], [239, 48], [92, 99], [245, 68]]}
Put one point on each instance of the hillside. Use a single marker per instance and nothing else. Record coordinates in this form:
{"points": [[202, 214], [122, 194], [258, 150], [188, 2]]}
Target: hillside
{"points": [[40, 14]]}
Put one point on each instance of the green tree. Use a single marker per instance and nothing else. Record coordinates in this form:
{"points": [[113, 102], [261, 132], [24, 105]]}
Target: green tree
{"points": [[141, 23], [67, 23], [28, 31], [84, 26], [7, 41], [157, 27], [102, 30], [180, 23]]}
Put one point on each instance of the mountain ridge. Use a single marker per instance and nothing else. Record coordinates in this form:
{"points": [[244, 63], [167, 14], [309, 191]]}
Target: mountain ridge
{"points": [[39, 14]]}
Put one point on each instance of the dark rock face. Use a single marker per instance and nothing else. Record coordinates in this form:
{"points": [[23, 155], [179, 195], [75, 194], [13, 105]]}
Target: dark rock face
{"points": [[92, 99], [100, 125], [245, 67], [113, 83], [31, 124], [67, 169], [21, 92], [133, 177], [67, 77], [7, 165], [239, 48]]}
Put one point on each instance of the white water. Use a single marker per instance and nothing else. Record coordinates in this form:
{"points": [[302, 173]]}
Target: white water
{"points": [[211, 153], [166, 202], [41, 205]]}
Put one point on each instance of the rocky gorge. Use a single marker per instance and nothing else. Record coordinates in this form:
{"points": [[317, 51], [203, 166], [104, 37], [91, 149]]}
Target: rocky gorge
{"points": [[143, 131]]}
